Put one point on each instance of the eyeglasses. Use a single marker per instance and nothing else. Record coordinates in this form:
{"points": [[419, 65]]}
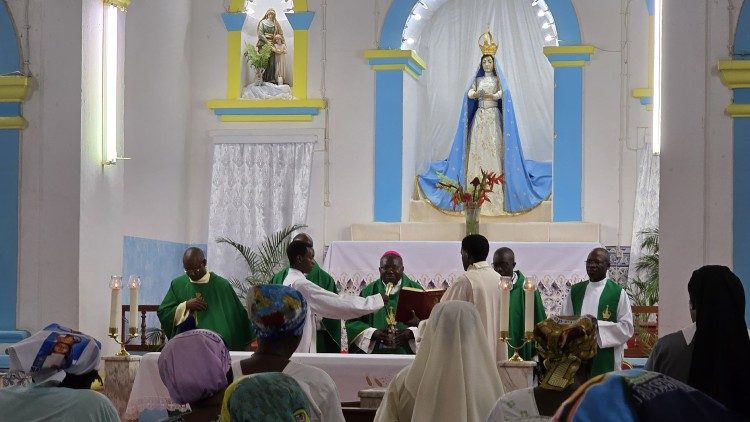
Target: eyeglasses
{"points": [[193, 270]]}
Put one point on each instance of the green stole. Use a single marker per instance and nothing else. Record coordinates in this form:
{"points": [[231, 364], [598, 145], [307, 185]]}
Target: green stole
{"points": [[225, 314], [604, 361], [328, 338], [377, 320], [517, 319]]}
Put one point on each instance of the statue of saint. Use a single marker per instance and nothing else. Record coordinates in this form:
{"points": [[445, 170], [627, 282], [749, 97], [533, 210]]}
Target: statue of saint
{"points": [[268, 28], [487, 139]]}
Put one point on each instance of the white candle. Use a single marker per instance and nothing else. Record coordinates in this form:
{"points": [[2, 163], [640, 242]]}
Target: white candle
{"points": [[134, 284], [505, 286], [529, 288], [115, 284]]}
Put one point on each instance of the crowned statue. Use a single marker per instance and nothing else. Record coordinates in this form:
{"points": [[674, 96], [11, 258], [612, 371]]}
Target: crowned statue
{"points": [[269, 32], [487, 139]]}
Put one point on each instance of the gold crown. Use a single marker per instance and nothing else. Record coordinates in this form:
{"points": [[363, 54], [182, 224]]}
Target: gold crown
{"points": [[487, 44]]}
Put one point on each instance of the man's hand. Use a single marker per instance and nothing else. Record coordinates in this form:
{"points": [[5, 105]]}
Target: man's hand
{"points": [[196, 304], [382, 337], [403, 337], [414, 321]]}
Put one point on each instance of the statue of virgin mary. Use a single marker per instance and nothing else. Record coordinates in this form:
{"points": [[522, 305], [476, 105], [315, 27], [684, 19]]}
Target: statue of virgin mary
{"points": [[487, 139]]}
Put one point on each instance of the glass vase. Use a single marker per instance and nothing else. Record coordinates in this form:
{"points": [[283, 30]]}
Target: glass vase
{"points": [[471, 212]]}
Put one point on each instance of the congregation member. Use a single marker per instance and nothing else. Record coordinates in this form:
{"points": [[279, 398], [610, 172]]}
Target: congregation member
{"points": [[605, 299], [320, 301], [328, 336], [63, 364], [195, 368], [504, 263], [267, 397], [368, 334], [644, 396], [711, 354], [480, 285], [202, 299], [278, 316], [454, 375], [566, 346]]}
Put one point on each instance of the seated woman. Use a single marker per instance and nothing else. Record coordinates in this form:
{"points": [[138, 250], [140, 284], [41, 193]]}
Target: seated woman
{"points": [[269, 397], [195, 368], [277, 313], [47, 356], [638, 395], [566, 346], [454, 375]]}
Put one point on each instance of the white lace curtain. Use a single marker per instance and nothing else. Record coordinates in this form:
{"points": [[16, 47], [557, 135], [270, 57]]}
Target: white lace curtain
{"points": [[256, 190], [646, 213], [448, 43]]}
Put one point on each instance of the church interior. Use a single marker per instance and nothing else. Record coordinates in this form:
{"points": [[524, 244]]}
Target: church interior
{"points": [[133, 130]]}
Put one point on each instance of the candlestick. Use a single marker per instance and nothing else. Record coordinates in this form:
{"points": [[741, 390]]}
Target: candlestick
{"points": [[529, 288], [505, 286], [134, 284], [115, 283]]}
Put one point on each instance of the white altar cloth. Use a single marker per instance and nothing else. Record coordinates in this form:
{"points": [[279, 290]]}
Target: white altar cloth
{"points": [[351, 373], [556, 265]]}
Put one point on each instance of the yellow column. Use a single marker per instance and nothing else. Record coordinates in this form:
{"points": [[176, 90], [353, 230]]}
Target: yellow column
{"points": [[299, 71], [234, 54]]}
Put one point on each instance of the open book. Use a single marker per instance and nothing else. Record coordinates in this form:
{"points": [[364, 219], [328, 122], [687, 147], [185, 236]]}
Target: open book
{"points": [[421, 301]]}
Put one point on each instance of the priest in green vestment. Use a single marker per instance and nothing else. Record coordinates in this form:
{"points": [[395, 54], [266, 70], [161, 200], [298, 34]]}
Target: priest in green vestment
{"points": [[504, 263], [202, 299], [328, 338], [609, 303], [367, 334]]}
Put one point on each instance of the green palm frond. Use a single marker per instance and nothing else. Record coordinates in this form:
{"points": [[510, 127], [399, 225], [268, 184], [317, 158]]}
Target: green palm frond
{"points": [[251, 258]]}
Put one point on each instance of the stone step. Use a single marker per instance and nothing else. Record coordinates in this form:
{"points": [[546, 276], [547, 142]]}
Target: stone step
{"points": [[456, 230], [423, 211]]}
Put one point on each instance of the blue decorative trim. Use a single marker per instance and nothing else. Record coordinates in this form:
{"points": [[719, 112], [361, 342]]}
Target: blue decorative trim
{"points": [[12, 336], [569, 57], [650, 7], [393, 25], [389, 124], [10, 58], [307, 111], [567, 167], [647, 100], [9, 140], [233, 21], [566, 21], [4, 362], [300, 20], [741, 96], [742, 35], [10, 109], [408, 62]]}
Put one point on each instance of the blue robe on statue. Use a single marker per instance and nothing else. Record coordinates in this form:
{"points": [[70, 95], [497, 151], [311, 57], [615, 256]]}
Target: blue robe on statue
{"points": [[527, 182]]}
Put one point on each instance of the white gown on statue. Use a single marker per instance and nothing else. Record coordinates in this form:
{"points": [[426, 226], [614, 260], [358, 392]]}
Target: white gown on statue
{"points": [[486, 146]]}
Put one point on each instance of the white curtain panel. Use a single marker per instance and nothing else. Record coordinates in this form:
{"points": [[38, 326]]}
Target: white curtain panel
{"points": [[646, 213], [256, 190], [448, 42]]}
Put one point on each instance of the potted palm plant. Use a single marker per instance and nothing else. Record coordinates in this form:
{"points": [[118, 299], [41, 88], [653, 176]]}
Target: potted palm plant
{"points": [[643, 290], [258, 60]]}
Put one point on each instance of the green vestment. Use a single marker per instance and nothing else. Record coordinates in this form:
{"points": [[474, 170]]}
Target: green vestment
{"points": [[328, 339], [377, 320], [604, 361], [516, 320], [224, 314]]}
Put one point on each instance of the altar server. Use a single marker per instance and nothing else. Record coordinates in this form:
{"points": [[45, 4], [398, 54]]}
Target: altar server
{"points": [[328, 337], [320, 301], [608, 301], [202, 299], [368, 333], [504, 263]]}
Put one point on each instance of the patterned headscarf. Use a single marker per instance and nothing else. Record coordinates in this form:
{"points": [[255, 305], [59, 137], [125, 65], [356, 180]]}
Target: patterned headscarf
{"points": [[276, 311], [564, 343], [194, 365], [54, 349], [265, 397]]}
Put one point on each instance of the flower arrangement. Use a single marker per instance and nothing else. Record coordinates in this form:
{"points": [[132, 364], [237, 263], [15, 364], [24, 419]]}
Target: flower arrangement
{"points": [[258, 58], [477, 194]]}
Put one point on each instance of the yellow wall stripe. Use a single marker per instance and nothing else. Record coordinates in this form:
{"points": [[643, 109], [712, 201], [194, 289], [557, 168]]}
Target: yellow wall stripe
{"points": [[266, 118]]}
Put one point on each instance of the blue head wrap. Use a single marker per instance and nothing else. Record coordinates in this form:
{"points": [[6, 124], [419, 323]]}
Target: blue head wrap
{"points": [[276, 311]]}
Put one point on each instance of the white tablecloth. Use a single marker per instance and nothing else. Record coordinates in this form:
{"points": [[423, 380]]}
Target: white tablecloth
{"points": [[351, 373], [556, 265]]}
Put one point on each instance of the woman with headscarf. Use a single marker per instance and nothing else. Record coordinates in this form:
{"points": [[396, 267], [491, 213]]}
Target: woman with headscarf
{"points": [[269, 397], [454, 375], [712, 353], [195, 368], [278, 313], [566, 346]]}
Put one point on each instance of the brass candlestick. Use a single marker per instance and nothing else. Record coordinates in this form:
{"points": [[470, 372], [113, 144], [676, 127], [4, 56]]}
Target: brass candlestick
{"points": [[390, 318], [114, 335], [528, 337]]}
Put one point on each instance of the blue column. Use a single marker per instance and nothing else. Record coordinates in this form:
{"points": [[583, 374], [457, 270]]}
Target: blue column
{"points": [[567, 170], [741, 205], [389, 124], [8, 226]]}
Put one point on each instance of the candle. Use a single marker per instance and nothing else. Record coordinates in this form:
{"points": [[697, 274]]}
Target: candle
{"points": [[115, 283], [505, 286], [529, 287], [134, 284]]}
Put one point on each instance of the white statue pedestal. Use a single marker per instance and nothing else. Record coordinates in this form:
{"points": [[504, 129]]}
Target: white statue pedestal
{"points": [[267, 91], [516, 375], [119, 376]]}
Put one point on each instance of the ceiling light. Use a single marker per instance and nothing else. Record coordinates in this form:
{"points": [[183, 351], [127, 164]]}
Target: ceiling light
{"points": [[549, 38], [423, 4], [540, 13], [546, 25], [417, 16]]}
